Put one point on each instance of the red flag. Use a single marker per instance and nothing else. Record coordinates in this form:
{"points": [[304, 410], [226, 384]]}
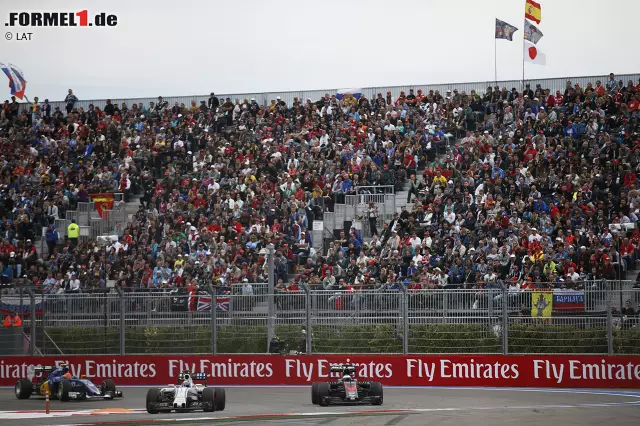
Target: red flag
{"points": [[102, 202]]}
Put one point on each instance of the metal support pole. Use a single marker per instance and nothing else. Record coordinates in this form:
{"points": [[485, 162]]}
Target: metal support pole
{"points": [[121, 320], [308, 326], [271, 296], [609, 318], [32, 338], [214, 319], [405, 320], [505, 321]]}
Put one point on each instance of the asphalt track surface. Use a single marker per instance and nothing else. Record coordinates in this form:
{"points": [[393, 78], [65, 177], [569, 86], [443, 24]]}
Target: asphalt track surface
{"points": [[424, 406]]}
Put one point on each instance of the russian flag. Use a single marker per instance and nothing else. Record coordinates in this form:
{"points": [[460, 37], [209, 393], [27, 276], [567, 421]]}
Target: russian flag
{"points": [[568, 300], [356, 93], [17, 83]]}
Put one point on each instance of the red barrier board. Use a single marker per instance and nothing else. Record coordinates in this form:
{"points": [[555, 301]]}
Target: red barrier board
{"points": [[392, 370]]}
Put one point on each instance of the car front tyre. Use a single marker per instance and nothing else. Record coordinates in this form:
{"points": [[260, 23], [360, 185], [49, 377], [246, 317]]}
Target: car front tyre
{"points": [[220, 399], [375, 390], [64, 387], [314, 393], [323, 392]]}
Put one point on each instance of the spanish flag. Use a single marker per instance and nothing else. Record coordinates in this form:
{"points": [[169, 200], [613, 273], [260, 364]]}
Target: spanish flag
{"points": [[532, 11]]}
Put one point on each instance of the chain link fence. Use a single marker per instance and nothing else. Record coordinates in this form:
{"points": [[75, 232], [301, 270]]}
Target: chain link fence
{"points": [[599, 318]]}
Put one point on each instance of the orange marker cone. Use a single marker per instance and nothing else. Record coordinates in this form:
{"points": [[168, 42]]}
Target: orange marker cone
{"points": [[46, 403]]}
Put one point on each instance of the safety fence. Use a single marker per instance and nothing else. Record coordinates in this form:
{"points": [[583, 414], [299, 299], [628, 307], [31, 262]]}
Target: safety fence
{"points": [[599, 317]]}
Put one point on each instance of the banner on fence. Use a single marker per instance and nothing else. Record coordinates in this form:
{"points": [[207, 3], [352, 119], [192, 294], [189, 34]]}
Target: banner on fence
{"points": [[392, 370], [10, 304], [102, 202], [541, 304], [568, 300]]}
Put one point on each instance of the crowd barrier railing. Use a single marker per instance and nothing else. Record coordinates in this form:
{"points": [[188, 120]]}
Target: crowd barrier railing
{"points": [[598, 317]]}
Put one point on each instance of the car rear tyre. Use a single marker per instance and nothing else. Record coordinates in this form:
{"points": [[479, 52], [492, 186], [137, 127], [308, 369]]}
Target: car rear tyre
{"points": [[64, 387], [152, 398], [220, 400], [23, 389], [314, 393], [109, 385], [375, 390], [323, 392]]}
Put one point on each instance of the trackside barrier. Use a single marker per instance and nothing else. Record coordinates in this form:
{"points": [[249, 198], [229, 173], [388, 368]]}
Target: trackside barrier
{"points": [[539, 371], [594, 318]]}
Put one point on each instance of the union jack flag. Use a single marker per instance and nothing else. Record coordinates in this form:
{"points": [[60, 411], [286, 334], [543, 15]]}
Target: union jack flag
{"points": [[204, 303]]}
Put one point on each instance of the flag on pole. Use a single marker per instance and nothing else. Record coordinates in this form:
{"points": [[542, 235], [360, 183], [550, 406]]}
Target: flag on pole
{"points": [[504, 30], [531, 32], [533, 55], [17, 83], [102, 202], [533, 11]]}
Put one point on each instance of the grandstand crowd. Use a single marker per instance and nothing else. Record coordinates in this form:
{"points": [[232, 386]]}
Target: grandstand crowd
{"points": [[536, 188]]}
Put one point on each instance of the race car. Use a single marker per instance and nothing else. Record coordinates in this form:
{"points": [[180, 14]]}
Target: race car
{"points": [[347, 389], [64, 386], [186, 395]]}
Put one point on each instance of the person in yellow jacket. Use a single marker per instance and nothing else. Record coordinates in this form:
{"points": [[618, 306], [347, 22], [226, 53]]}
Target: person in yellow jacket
{"points": [[73, 233]]}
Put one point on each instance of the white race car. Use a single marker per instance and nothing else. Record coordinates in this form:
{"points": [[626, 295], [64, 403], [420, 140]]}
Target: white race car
{"points": [[186, 395]]}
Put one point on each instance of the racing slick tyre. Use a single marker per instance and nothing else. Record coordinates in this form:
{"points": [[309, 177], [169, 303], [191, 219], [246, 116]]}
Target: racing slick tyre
{"points": [[208, 403], [220, 399], [24, 389], [314, 393], [375, 389], [152, 398], [109, 385], [323, 391], [64, 387]]}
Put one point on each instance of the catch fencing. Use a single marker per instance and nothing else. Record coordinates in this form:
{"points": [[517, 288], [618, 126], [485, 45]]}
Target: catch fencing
{"points": [[600, 318]]}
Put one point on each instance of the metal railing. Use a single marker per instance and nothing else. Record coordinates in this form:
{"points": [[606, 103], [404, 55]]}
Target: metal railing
{"points": [[596, 319], [264, 98]]}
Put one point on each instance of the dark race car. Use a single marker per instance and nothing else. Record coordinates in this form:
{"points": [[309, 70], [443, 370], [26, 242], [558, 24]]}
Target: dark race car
{"points": [[347, 389], [62, 385], [186, 396]]}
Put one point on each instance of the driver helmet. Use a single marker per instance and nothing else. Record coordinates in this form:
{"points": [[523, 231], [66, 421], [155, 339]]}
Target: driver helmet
{"points": [[67, 375], [346, 378], [186, 384]]}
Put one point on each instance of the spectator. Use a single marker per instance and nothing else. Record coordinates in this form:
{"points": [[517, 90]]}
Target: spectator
{"points": [[528, 192], [70, 101], [12, 320]]}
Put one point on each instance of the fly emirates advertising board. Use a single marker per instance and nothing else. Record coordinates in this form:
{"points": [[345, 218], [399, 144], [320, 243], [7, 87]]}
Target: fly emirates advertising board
{"points": [[391, 370]]}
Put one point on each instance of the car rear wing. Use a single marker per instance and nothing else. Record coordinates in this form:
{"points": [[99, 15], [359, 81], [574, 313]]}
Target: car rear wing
{"points": [[44, 369]]}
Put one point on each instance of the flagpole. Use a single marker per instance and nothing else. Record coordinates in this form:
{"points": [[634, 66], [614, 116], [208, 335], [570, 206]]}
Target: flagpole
{"points": [[495, 59], [523, 32]]}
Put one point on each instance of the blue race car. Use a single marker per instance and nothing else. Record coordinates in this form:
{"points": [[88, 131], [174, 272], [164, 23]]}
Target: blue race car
{"points": [[62, 385]]}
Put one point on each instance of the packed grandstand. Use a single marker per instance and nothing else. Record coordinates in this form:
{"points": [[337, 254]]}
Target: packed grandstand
{"points": [[507, 188]]}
